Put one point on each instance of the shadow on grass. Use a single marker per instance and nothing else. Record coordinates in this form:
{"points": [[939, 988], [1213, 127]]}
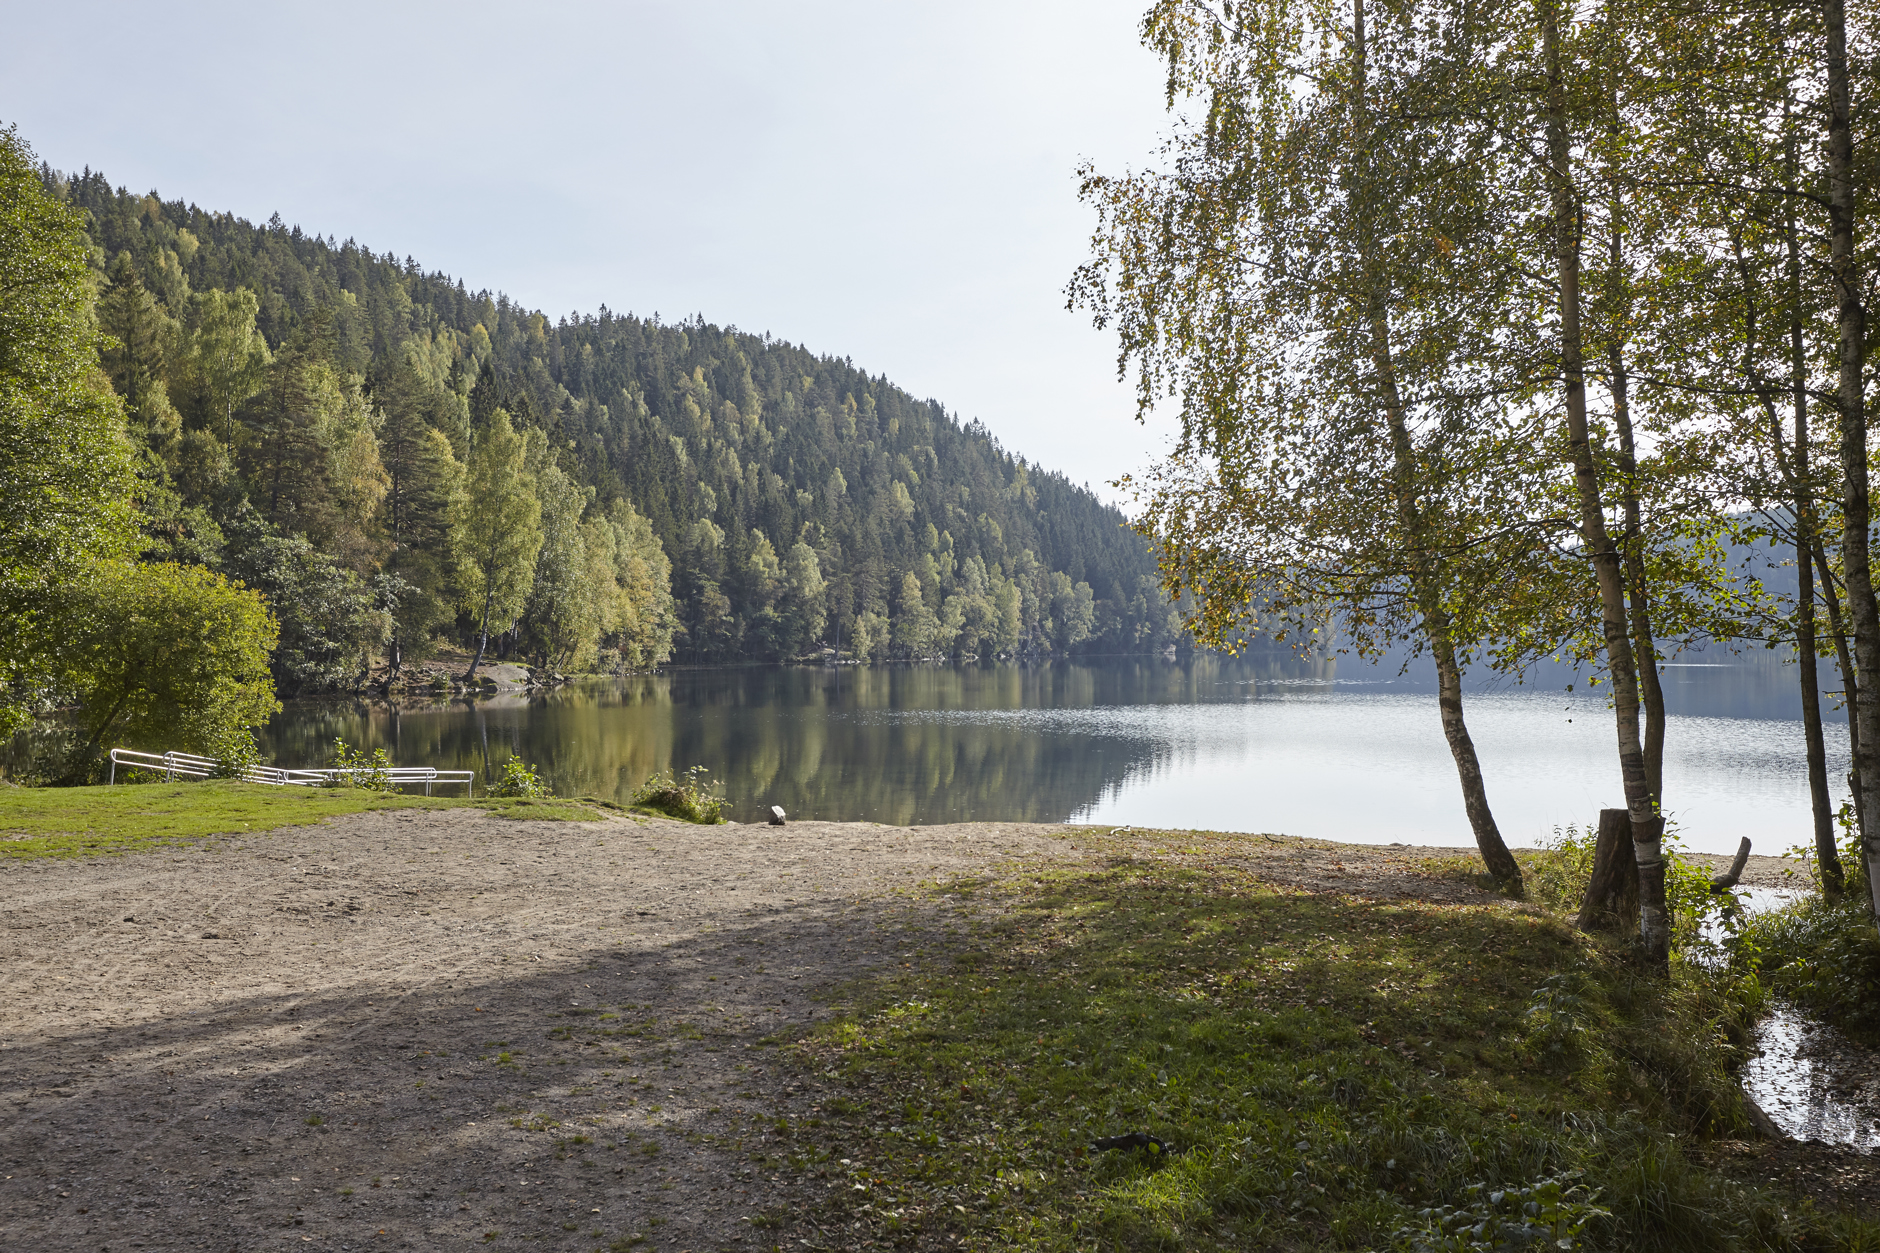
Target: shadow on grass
{"points": [[1329, 1071]]}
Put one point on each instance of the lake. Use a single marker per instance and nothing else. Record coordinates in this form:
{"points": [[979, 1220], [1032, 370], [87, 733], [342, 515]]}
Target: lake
{"points": [[1333, 749]]}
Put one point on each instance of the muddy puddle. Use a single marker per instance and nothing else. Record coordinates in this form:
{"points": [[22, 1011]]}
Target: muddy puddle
{"points": [[1813, 1082]]}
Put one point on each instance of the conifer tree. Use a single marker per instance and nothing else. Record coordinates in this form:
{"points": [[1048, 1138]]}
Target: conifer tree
{"points": [[136, 355]]}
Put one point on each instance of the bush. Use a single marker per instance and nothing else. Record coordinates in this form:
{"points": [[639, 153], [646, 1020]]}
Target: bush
{"points": [[369, 771], [693, 800], [234, 751], [166, 657], [1557, 873], [519, 779], [1822, 954]]}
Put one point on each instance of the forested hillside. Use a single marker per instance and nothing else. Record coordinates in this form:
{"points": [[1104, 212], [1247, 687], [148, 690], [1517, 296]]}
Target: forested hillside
{"points": [[397, 460]]}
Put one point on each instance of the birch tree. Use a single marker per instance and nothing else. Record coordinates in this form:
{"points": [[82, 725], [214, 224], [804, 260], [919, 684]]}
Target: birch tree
{"points": [[1850, 399], [1319, 279], [228, 355], [496, 530]]}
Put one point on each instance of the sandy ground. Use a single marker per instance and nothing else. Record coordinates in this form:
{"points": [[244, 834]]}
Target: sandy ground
{"points": [[385, 1031], [440, 1030]]}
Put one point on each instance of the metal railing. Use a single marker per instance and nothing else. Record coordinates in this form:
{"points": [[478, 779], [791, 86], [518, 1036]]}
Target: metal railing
{"points": [[175, 766]]}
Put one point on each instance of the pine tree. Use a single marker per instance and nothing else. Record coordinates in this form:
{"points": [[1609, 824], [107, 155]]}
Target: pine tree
{"points": [[136, 355]]}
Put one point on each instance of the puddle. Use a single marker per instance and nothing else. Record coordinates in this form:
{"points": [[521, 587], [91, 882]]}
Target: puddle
{"points": [[1813, 1082]]}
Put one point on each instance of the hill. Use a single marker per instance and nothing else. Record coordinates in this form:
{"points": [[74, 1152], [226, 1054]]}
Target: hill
{"points": [[309, 414]]}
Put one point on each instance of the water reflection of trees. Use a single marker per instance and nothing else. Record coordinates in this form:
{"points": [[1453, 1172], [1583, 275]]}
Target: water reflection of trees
{"points": [[886, 744]]}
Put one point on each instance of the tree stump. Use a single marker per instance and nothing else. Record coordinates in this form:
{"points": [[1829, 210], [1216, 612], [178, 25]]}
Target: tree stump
{"points": [[1611, 902]]}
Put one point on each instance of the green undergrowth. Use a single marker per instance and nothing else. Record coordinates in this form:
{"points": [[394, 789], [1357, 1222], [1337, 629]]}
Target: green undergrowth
{"points": [[1822, 954], [1327, 1071], [1556, 874], [129, 818], [691, 797]]}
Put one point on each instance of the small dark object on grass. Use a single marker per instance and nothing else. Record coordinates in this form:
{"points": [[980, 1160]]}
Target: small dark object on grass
{"points": [[776, 815], [1134, 1140]]}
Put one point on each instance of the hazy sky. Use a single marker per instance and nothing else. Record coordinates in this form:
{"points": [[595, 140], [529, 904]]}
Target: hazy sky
{"points": [[891, 183]]}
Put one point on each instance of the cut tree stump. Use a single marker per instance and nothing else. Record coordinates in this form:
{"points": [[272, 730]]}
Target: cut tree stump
{"points": [[1611, 902]]}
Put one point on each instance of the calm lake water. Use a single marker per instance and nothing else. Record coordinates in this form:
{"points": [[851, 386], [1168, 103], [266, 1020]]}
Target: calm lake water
{"points": [[1335, 750]]}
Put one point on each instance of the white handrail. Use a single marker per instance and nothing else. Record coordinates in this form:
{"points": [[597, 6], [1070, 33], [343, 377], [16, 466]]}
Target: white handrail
{"points": [[176, 765]]}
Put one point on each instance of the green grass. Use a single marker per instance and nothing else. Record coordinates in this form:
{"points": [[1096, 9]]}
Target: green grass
{"points": [[1823, 955], [89, 821], [1329, 1071]]}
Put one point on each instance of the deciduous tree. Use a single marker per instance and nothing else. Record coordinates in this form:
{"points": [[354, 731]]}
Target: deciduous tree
{"points": [[496, 530], [166, 657], [227, 354], [65, 466], [1319, 278]]}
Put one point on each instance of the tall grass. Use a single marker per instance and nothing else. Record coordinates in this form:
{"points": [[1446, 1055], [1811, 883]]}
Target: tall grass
{"points": [[1823, 954]]}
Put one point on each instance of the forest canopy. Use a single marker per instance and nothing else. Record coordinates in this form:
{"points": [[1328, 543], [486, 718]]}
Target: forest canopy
{"points": [[396, 461], [143, 648]]}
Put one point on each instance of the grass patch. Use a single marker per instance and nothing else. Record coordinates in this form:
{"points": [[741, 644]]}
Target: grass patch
{"points": [[129, 818], [88, 821], [1325, 1071]]}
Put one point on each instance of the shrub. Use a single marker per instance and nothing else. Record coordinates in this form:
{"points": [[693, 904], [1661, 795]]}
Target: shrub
{"points": [[692, 799], [371, 771], [1558, 872], [166, 656], [234, 751], [1822, 954], [519, 779]]}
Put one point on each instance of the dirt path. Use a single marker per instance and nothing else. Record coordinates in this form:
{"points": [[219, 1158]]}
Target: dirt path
{"points": [[412, 1030]]}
